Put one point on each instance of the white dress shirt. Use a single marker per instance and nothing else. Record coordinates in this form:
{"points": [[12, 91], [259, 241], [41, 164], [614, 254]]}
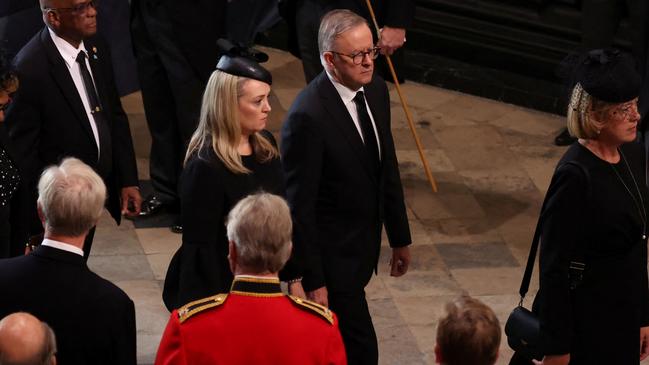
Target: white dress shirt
{"points": [[347, 95], [62, 246], [69, 54]]}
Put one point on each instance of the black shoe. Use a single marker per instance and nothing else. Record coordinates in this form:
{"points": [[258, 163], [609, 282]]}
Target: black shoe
{"points": [[564, 138], [152, 205]]}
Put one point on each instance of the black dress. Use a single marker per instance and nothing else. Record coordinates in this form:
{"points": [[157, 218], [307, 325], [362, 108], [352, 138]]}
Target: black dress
{"points": [[208, 191], [599, 211]]}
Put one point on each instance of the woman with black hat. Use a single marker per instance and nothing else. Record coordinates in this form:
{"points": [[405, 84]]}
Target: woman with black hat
{"points": [[229, 157], [593, 299]]}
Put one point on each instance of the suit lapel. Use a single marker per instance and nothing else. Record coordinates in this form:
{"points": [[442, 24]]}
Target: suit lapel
{"points": [[341, 118], [61, 75]]}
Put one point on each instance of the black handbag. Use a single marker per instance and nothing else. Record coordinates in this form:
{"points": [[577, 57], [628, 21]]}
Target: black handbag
{"points": [[522, 327]]}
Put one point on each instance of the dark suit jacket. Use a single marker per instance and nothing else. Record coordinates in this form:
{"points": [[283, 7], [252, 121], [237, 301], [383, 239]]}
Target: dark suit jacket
{"points": [[338, 205], [47, 121], [94, 321]]}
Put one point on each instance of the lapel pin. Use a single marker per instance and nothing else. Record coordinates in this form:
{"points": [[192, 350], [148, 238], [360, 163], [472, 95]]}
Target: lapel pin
{"points": [[94, 53]]}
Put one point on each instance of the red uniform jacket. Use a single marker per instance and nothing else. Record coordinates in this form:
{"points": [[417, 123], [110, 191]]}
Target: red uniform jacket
{"points": [[254, 324]]}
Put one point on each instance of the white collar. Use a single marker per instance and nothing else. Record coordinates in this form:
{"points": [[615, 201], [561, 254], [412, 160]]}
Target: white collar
{"points": [[345, 93], [62, 246], [67, 51]]}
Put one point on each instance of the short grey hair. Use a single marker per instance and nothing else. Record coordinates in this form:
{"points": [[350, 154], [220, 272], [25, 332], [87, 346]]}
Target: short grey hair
{"points": [[71, 197], [335, 23], [260, 227]]}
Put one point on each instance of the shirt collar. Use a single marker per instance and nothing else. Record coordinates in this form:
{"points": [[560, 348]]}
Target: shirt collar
{"points": [[67, 51], [346, 94], [62, 246]]}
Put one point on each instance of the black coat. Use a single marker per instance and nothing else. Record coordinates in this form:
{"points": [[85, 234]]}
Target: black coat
{"points": [[338, 205], [47, 121], [94, 320], [595, 218], [209, 190]]}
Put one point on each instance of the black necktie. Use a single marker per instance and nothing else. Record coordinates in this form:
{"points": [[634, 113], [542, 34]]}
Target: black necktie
{"points": [[104, 163], [371, 146]]}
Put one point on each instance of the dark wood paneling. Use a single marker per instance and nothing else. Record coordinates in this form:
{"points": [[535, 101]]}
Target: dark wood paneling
{"points": [[513, 43]]}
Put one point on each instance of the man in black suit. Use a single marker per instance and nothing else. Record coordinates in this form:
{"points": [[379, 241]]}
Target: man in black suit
{"points": [[175, 48], [93, 319], [67, 105], [343, 180], [393, 16]]}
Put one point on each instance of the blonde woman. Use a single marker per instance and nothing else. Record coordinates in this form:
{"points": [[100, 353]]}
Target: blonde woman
{"points": [[229, 157], [593, 299]]}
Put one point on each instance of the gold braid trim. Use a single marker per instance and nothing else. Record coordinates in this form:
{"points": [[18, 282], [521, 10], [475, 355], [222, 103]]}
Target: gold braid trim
{"points": [[197, 306], [323, 311]]}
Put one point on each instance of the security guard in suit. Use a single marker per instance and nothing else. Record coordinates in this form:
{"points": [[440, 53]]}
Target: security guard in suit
{"points": [[255, 323]]}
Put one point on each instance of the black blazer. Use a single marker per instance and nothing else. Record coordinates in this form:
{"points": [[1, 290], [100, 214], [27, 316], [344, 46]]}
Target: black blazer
{"points": [[338, 204], [94, 320], [47, 121]]}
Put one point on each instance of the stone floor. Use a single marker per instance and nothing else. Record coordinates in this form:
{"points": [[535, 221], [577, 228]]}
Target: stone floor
{"points": [[492, 163]]}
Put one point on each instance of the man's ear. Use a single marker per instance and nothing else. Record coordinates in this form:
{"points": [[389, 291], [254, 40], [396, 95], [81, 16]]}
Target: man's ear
{"points": [[232, 256], [41, 216], [328, 58], [438, 355], [51, 17]]}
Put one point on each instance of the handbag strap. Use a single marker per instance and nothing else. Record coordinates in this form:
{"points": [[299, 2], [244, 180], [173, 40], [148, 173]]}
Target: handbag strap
{"points": [[579, 251]]}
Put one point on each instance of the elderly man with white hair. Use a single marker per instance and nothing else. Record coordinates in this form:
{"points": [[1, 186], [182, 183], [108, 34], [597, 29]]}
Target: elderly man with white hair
{"points": [[93, 319], [255, 323]]}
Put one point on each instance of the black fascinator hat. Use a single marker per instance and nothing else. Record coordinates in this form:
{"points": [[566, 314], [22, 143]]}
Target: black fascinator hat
{"points": [[242, 61], [609, 74]]}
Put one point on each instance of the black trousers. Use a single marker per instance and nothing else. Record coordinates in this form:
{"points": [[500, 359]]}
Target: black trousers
{"points": [[356, 327], [171, 92]]}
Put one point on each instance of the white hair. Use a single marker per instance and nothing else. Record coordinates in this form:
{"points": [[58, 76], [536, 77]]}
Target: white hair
{"points": [[71, 197]]}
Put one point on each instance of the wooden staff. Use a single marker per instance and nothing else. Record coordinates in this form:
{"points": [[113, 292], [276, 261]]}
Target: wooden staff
{"points": [[411, 124]]}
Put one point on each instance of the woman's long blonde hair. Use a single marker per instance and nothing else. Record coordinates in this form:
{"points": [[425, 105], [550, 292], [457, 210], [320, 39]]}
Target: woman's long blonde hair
{"points": [[219, 127]]}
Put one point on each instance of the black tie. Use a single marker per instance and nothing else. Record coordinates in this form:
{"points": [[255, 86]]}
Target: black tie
{"points": [[104, 163], [371, 146]]}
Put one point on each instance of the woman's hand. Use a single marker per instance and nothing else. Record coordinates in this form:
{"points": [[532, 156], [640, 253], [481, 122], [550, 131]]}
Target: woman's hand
{"points": [[554, 360], [644, 342]]}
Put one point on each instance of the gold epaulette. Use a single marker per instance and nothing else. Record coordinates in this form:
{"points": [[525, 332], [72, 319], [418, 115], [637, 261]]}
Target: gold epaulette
{"points": [[323, 311], [200, 305]]}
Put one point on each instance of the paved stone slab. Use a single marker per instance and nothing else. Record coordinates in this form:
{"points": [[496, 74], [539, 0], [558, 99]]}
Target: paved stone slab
{"points": [[476, 255]]}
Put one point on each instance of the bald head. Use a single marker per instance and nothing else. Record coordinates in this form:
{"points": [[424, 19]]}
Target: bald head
{"points": [[25, 340]]}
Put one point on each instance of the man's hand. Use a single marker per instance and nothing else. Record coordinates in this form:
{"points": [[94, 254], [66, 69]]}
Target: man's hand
{"points": [[554, 360], [131, 194], [319, 296], [391, 39], [296, 289], [400, 261], [644, 342]]}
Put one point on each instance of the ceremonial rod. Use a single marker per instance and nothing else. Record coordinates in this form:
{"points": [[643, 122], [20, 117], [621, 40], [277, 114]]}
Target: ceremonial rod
{"points": [[411, 124]]}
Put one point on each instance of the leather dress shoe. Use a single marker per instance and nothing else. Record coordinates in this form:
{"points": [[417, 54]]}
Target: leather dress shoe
{"points": [[151, 206], [564, 138]]}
